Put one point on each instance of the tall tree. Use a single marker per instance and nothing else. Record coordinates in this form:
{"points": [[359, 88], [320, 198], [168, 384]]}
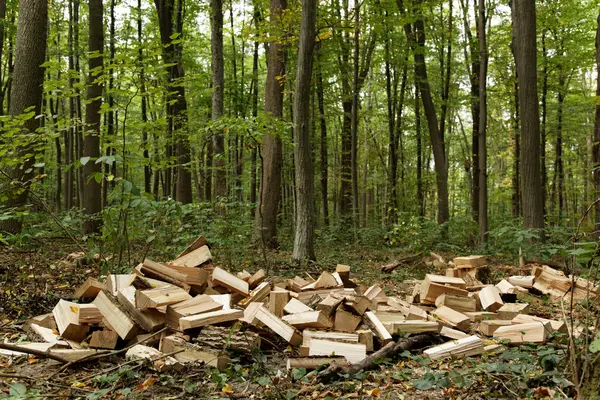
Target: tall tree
{"points": [[483, 193], [596, 145], [28, 78], [218, 87], [323, 142], [415, 35], [92, 200], [170, 21], [265, 223], [523, 18], [303, 240]]}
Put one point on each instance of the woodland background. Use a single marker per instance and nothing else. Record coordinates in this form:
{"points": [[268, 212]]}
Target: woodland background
{"points": [[129, 123]]}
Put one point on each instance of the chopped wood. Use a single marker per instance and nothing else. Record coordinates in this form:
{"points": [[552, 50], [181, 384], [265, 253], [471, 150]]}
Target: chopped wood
{"points": [[522, 281], [119, 319], [365, 336], [162, 272], [416, 313], [457, 303], [193, 353], [154, 298], [114, 282], [338, 279], [505, 286], [511, 310], [379, 329], [210, 318], [231, 282], [196, 305], [309, 334], [343, 272], [534, 332], [44, 320], [584, 289], [470, 261], [306, 295], [89, 289], [66, 315], [89, 314], [455, 348], [490, 299], [374, 292], [281, 328], [551, 282], [244, 275], [226, 338], [555, 325], [399, 305], [308, 319], [296, 306], [149, 319], [387, 268], [278, 300], [387, 317], [159, 361], [223, 299], [358, 304], [104, 339], [411, 327], [196, 244], [260, 293], [415, 297], [452, 333], [345, 320], [313, 362], [194, 258], [48, 335], [352, 352], [250, 313], [452, 317], [329, 304], [257, 278], [325, 281], [297, 284], [481, 315], [489, 326], [196, 277], [434, 286], [454, 273]]}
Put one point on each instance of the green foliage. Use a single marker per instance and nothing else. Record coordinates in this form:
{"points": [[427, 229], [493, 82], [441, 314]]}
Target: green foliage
{"points": [[17, 391]]}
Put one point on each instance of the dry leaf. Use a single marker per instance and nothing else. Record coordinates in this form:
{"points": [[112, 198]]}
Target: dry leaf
{"points": [[146, 384], [373, 392], [227, 389]]}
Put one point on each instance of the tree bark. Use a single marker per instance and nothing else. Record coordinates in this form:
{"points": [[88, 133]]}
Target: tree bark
{"points": [[323, 138], [92, 200], [144, 105], [544, 101], [355, 89], [28, 78], [218, 83], [303, 240], [420, 194], [596, 145], [483, 195], [265, 222], [523, 13]]}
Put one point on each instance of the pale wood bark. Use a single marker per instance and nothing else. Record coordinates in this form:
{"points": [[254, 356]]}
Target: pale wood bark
{"points": [[218, 83]]}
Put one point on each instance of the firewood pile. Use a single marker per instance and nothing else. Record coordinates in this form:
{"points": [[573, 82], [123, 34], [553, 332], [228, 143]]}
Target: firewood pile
{"points": [[188, 310]]}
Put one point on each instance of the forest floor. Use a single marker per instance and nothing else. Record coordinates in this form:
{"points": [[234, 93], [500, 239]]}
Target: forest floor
{"points": [[32, 279]]}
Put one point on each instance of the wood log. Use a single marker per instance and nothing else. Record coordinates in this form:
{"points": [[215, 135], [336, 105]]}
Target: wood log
{"points": [[89, 314], [388, 351], [150, 320], [259, 294], [116, 315], [481, 315], [344, 273], [296, 306], [330, 303], [114, 282], [455, 348], [195, 277], [387, 268], [346, 321], [434, 286], [583, 289], [155, 298], [234, 339], [325, 281], [193, 353], [378, 328], [223, 299], [297, 284], [192, 259], [257, 278], [313, 362], [309, 334], [511, 310], [534, 332], [44, 320], [157, 359], [522, 281], [458, 303], [89, 289], [278, 300], [452, 333], [250, 314], [553, 325], [453, 318], [505, 286], [416, 313], [352, 352], [551, 282], [490, 299], [104, 339], [280, 327], [489, 326], [196, 305], [358, 304], [365, 336], [161, 272], [66, 315], [244, 275], [210, 318], [373, 292], [308, 319], [470, 261], [412, 327], [231, 282]]}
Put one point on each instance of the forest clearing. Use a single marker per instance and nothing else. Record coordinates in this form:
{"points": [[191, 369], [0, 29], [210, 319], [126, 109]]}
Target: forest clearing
{"points": [[396, 199]]}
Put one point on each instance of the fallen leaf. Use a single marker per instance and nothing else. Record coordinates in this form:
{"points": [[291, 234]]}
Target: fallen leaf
{"points": [[146, 384], [227, 389], [373, 392]]}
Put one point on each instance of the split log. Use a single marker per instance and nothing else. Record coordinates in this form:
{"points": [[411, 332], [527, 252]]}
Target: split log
{"points": [[196, 305], [116, 315], [278, 300], [162, 272], [456, 348], [222, 338], [213, 317], [231, 282], [387, 268], [104, 339], [89, 289], [155, 298], [296, 306], [158, 360], [308, 319], [150, 319], [66, 315], [196, 244], [194, 258], [388, 351], [189, 352], [353, 352], [470, 261], [257, 278]]}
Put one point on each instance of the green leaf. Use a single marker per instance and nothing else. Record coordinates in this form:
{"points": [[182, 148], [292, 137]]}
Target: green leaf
{"points": [[595, 345], [298, 373], [264, 381], [84, 160], [18, 390]]}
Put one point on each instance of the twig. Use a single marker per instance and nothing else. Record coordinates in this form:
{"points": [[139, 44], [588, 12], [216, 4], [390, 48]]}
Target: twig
{"points": [[39, 353], [37, 379]]}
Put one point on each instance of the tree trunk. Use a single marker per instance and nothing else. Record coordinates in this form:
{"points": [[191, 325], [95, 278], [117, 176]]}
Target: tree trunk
{"points": [[323, 137], [483, 196], [147, 170], [420, 194], [596, 145], [523, 12], [355, 89], [265, 223], [253, 177], [218, 84], [516, 178], [544, 118], [28, 78], [559, 172], [92, 200], [303, 240]]}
